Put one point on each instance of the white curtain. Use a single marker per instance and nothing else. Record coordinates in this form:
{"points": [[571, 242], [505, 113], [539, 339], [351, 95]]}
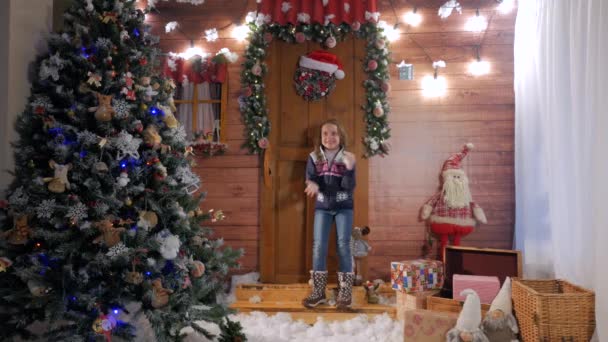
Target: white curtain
{"points": [[561, 143], [205, 112]]}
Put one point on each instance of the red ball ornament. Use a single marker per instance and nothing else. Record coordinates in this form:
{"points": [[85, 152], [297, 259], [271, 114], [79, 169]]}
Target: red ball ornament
{"points": [[247, 91], [380, 43], [385, 86], [256, 70], [330, 42], [378, 111], [355, 26], [300, 37], [263, 143], [372, 65], [143, 61]]}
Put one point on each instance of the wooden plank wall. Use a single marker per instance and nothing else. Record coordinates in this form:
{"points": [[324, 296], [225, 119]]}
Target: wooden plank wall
{"points": [[425, 131]]}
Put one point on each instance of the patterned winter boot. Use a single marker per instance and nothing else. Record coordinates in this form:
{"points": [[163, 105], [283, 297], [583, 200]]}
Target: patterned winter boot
{"points": [[319, 281], [345, 296]]}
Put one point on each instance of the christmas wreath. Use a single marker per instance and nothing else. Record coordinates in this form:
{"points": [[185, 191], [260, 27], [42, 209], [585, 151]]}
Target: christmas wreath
{"points": [[252, 102]]}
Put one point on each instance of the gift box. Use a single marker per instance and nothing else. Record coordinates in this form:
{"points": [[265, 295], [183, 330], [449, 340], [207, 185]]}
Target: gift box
{"points": [[416, 275], [411, 301], [427, 326], [487, 287], [500, 263]]}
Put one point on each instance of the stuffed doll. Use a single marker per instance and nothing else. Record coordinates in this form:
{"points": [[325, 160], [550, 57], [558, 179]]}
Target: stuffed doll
{"points": [[500, 325], [160, 295], [20, 233], [359, 250], [110, 235], [371, 291], [151, 137], [59, 182], [467, 327], [451, 211], [104, 111]]}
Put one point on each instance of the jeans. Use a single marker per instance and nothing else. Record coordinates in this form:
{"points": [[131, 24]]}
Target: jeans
{"points": [[344, 226]]}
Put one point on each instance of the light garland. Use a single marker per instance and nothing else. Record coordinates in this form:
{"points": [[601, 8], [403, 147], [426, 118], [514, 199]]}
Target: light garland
{"points": [[252, 101]]}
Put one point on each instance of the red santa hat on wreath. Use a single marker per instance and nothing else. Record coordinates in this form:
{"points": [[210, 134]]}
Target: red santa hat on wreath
{"points": [[452, 164], [323, 61]]}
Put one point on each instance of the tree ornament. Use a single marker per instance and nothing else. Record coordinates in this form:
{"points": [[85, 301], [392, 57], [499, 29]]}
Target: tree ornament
{"points": [[103, 325], [315, 76], [197, 269], [128, 201], [263, 143], [256, 69], [380, 44], [94, 79], [104, 111], [151, 137], [355, 26], [37, 288], [5, 263], [385, 86], [143, 61], [300, 37], [122, 180], [145, 81], [101, 167], [330, 42], [372, 65], [59, 182], [20, 233], [110, 235], [247, 91], [137, 126], [378, 110], [147, 220], [160, 295]]}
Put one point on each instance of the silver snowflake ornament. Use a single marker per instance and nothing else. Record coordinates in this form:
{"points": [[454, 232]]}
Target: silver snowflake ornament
{"points": [[126, 145]]}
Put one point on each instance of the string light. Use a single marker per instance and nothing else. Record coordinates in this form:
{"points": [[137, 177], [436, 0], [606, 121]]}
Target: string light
{"points": [[477, 23], [240, 32], [390, 32], [412, 18], [506, 6], [434, 86], [479, 67], [192, 51]]}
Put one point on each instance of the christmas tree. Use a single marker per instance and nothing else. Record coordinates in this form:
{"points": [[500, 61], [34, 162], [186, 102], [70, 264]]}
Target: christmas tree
{"points": [[101, 223]]}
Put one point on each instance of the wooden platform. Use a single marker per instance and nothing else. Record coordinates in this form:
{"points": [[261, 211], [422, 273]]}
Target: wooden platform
{"points": [[287, 298]]}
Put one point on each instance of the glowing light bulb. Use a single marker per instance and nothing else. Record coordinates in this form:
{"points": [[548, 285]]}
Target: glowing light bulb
{"points": [[191, 52], [477, 23], [506, 6], [390, 32], [479, 67], [412, 18], [434, 86], [240, 32]]}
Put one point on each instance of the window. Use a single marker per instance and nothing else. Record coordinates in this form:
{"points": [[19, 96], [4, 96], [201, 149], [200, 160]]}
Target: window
{"points": [[201, 108]]}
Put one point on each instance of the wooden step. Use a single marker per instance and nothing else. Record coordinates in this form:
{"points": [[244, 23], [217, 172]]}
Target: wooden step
{"points": [[287, 298], [327, 312]]}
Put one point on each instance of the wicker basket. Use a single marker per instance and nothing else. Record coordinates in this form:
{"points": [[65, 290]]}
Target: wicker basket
{"points": [[553, 310]]}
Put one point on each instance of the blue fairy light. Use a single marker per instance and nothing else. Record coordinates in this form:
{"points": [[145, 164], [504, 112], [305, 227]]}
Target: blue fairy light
{"points": [[83, 52], [73, 298], [154, 111], [148, 273], [136, 32], [83, 154], [115, 311]]}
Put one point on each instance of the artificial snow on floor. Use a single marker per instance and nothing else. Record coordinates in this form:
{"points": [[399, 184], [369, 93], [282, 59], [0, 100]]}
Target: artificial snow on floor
{"points": [[260, 327]]}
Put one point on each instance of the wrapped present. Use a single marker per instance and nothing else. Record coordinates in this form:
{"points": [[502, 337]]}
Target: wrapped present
{"points": [[487, 287], [427, 326], [412, 301], [416, 275]]}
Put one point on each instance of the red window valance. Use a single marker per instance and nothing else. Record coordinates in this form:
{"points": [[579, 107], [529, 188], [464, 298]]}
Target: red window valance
{"points": [[196, 69], [319, 11]]}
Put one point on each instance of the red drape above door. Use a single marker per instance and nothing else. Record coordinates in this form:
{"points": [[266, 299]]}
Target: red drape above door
{"points": [[319, 11]]}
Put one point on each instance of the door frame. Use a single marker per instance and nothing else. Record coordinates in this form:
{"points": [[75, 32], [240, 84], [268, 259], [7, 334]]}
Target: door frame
{"points": [[267, 252]]}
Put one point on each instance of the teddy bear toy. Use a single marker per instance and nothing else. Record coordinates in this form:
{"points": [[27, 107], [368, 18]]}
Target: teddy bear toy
{"points": [[160, 295], [20, 232], [104, 111], [110, 235], [59, 182]]}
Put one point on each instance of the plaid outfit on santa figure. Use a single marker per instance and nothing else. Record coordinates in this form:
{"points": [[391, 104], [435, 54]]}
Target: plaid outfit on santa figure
{"points": [[451, 211]]}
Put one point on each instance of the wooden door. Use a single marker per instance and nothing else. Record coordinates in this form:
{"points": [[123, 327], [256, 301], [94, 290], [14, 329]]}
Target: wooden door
{"points": [[286, 216]]}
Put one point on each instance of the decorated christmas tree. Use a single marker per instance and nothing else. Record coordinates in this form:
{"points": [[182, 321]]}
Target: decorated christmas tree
{"points": [[101, 231]]}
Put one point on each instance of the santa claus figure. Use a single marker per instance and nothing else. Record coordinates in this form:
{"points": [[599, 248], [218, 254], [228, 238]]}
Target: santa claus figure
{"points": [[468, 327], [500, 325], [451, 211]]}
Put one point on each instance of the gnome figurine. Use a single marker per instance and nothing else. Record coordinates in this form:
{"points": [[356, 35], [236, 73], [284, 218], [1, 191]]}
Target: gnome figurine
{"points": [[467, 327], [500, 325]]}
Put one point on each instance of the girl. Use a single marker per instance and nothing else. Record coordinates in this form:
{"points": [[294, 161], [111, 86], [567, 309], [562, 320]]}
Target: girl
{"points": [[330, 178]]}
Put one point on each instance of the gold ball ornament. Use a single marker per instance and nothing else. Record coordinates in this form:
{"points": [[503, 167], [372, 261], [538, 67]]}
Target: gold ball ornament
{"points": [[143, 106], [128, 201]]}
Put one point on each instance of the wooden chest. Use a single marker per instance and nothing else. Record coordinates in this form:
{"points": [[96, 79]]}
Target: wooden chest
{"points": [[501, 263]]}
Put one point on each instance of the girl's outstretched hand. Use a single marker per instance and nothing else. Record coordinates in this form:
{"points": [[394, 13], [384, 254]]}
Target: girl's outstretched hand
{"points": [[312, 188], [349, 160]]}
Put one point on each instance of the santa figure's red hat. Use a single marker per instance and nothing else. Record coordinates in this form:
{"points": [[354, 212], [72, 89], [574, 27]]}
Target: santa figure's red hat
{"points": [[453, 162], [323, 61]]}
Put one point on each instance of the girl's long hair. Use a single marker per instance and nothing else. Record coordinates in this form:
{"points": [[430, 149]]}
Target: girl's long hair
{"points": [[318, 140]]}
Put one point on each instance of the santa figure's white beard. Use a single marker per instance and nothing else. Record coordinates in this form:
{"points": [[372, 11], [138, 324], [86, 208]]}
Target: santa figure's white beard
{"points": [[493, 324], [456, 192]]}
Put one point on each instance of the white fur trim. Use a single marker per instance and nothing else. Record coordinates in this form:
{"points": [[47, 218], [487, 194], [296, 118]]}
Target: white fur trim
{"points": [[458, 221], [479, 215], [426, 211], [339, 74], [470, 146], [452, 172], [317, 65]]}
